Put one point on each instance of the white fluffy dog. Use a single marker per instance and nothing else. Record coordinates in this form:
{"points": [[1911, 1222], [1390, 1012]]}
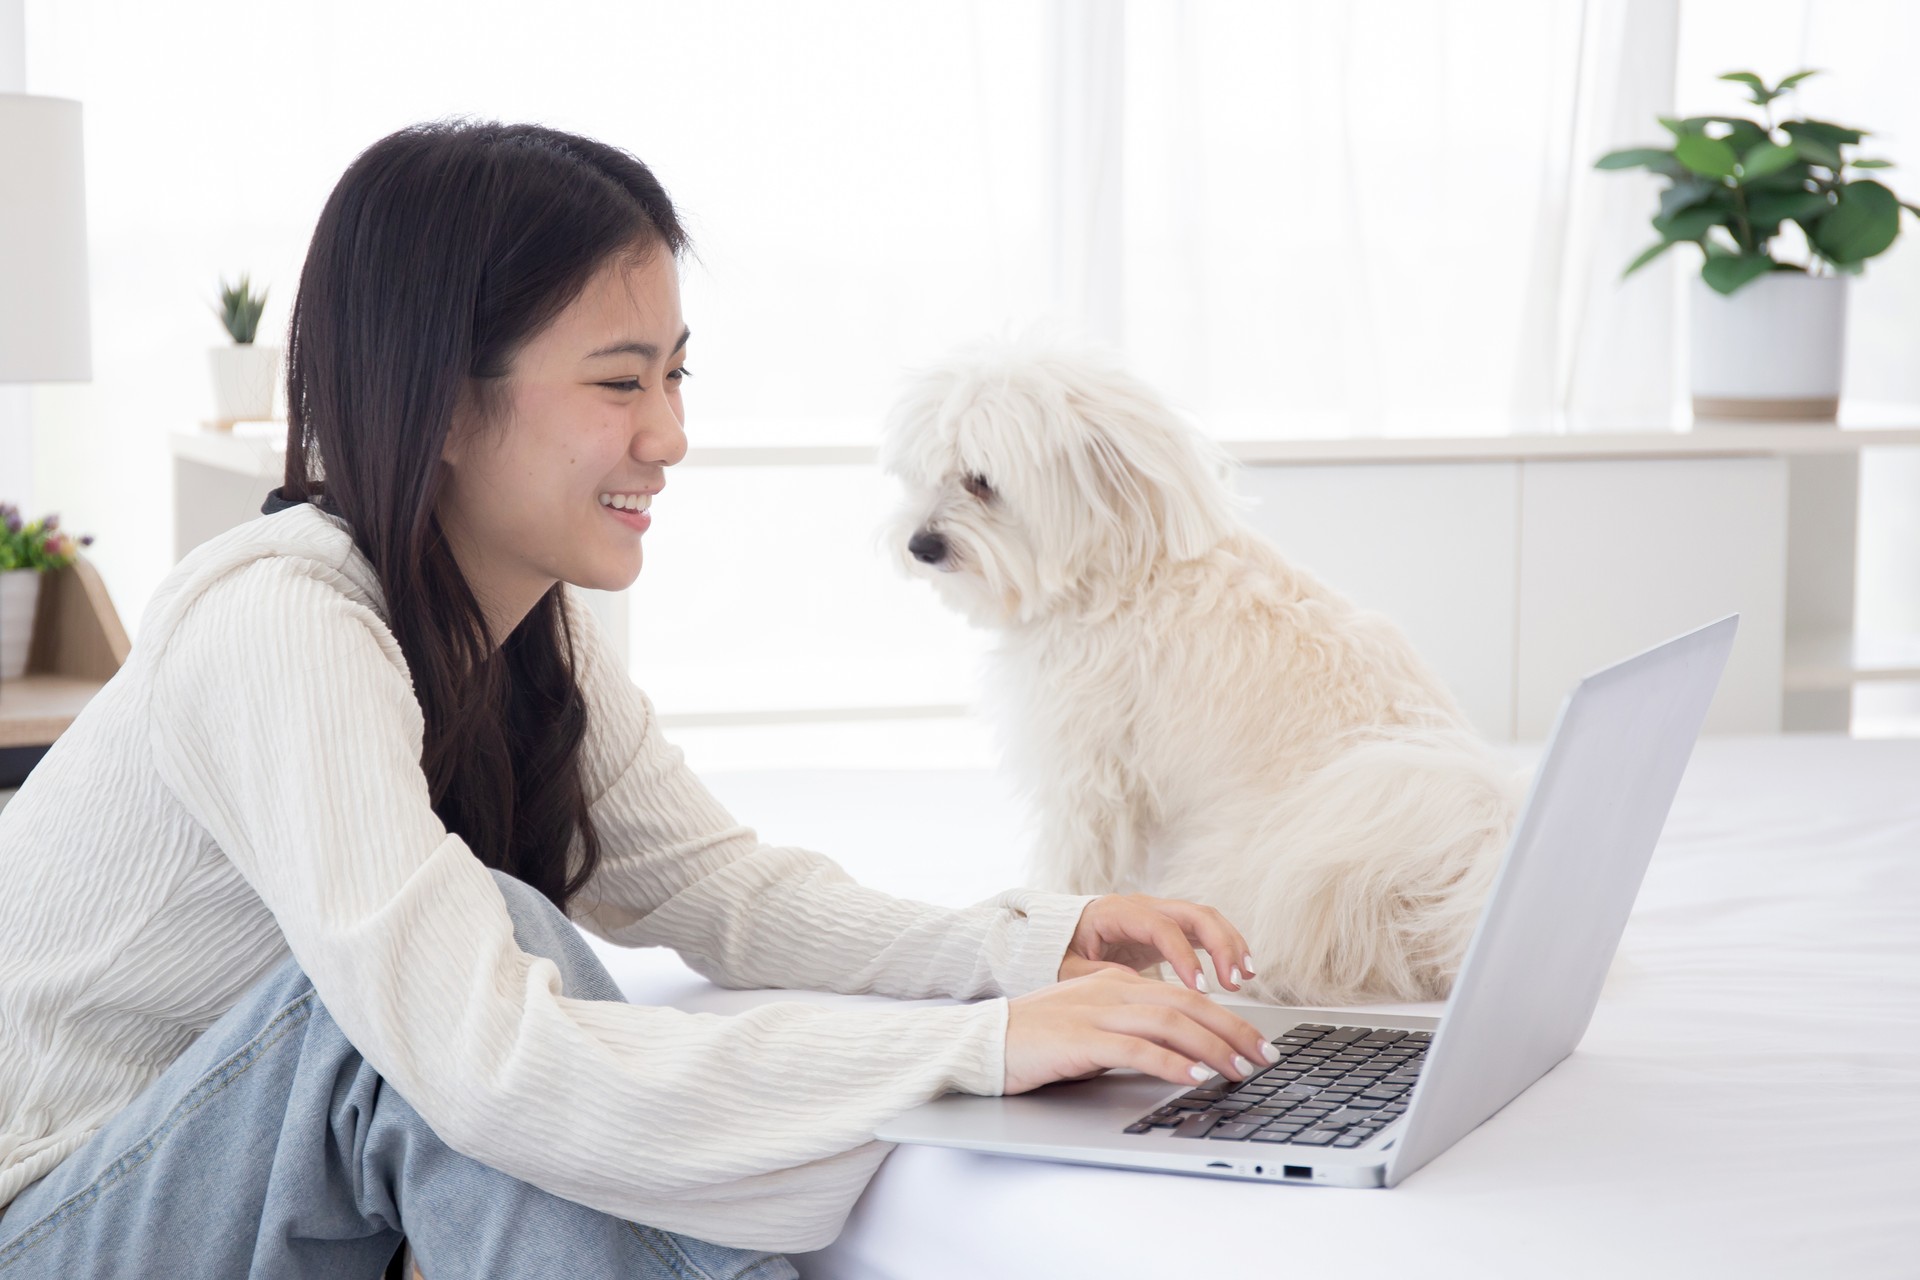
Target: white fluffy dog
{"points": [[1193, 716]]}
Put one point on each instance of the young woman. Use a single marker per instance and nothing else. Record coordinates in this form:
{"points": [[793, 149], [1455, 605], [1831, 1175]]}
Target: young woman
{"points": [[288, 958]]}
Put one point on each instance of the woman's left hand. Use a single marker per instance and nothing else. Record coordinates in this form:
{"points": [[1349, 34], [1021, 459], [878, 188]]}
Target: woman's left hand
{"points": [[1135, 931]]}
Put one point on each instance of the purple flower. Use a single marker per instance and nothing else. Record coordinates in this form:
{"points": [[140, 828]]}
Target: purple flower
{"points": [[86, 539], [51, 523], [10, 516]]}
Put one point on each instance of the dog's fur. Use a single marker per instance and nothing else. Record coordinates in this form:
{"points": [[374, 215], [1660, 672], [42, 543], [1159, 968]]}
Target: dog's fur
{"points": [[1194, 717]]}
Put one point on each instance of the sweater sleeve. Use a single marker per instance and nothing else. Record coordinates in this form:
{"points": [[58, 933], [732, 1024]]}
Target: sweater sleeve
{"points": [[283, 717], [676, 870]]}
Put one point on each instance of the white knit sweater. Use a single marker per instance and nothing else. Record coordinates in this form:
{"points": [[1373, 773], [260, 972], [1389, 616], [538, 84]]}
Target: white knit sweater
{"points": [[249, 784]]}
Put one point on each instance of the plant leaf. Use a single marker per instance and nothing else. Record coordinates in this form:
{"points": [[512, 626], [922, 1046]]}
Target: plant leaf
{"points": [[1634, 158], [1778, 206], [1873, 164], [1818, 152], [1647, 255], [1767, 158], [1704, 155], [1841, 134], [1729, 273], [1863, 221], [1792, 178], [1824, 131], [1685, 193], [1689, 224], [1793, 80], [1686, 128], [1761, 94], [1742, 135]]}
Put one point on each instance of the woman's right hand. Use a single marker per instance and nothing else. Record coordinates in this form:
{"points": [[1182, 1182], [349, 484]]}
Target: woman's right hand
{"points": [[1114, 1017]]}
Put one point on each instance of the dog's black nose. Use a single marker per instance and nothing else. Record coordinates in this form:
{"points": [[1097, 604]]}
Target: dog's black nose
{"points": [[927, 548]]}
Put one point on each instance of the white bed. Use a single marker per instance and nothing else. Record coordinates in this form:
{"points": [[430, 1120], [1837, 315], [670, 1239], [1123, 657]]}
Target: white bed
{"points": [[1745, 1103]]}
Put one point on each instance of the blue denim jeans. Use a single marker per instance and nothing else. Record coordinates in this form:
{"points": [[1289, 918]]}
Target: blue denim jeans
{"points": [[270, 1148]]}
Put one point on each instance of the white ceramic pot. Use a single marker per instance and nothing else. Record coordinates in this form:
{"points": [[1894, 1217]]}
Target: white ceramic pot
{"points": [[19, 596], [1771, 350], [244, 375]]}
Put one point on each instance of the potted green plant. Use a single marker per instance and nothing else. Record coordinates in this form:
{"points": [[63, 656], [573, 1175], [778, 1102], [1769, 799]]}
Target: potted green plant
{"points": [[1768, 329], [244, 372], [27, 550]]}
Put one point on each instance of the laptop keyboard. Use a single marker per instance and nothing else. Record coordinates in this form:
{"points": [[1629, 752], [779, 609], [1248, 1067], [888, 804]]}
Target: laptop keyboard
{"points": [[1333, 1087]]}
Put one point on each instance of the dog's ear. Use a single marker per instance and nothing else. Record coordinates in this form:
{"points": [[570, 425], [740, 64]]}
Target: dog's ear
{"points": [[1163, 479]]}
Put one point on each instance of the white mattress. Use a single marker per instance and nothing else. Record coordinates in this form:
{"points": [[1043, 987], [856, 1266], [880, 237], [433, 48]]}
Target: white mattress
{"points": [[1745, 1103]]}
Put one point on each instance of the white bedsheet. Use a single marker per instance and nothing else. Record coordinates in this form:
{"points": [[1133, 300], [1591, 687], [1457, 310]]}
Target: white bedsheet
{"points": [[1745, 1103]]}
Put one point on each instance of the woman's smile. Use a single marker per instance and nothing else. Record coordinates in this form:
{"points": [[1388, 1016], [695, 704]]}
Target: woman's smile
{"points": [[630, 509]]}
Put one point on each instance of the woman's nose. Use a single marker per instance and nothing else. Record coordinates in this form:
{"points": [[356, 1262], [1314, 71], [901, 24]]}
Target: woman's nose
{"points": [[661, 438]]}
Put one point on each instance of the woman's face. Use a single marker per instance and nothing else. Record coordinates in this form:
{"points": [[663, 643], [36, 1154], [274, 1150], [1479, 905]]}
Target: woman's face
{"points": [[594, 413]]}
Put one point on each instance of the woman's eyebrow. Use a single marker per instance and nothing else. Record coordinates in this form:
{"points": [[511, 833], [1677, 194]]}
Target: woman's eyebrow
{"points": [[645, 350]]}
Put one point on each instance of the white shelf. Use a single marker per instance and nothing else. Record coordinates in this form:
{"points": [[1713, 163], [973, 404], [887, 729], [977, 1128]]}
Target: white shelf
{"points": [[259, 448], [1698, 440], [1830, 661], [1702, 440]]}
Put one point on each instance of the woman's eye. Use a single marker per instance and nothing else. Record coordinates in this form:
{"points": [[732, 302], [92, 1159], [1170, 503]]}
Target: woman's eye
{"points": [[977, 486], [633, 384]]}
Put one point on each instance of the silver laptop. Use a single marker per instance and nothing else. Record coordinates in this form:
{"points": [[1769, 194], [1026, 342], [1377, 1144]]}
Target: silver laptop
{"points": [[1363, 1101]]}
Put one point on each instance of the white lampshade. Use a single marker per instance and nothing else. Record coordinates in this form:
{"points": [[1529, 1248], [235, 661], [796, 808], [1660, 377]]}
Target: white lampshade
{"points": [[44, 329]]}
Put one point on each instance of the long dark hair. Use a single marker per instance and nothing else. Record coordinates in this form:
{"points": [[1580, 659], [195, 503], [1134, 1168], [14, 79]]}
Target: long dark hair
{"points": [[443, 249]]}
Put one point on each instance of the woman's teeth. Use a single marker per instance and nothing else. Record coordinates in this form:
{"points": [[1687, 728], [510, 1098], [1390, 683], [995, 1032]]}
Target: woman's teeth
{"points": [[627, 501]]}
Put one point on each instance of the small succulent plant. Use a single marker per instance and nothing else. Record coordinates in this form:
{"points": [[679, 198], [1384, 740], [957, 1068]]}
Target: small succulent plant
{"points": [[240, 308], [37, 544], [1735, 183]]}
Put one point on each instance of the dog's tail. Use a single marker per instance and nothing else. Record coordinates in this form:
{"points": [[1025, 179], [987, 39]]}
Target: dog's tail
{"points": [[1365, 881]]}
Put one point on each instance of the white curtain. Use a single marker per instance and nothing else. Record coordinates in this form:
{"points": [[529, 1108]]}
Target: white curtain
{"points": [[1382, 217]]}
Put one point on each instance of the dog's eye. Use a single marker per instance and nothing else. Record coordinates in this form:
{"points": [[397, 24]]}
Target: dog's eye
{"points": [[977, 486]]}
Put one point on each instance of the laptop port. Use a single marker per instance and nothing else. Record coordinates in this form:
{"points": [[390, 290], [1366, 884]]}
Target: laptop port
{"points": [[1297, 1170]]}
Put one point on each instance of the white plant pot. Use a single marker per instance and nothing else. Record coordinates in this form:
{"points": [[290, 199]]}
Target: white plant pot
{"points": [[244, 375], [19, 597], [1771, 350]]}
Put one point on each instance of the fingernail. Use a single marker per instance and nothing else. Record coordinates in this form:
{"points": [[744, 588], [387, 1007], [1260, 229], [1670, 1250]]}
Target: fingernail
{"points": [[1200, 982], [1241, 1065], [1236, 976], [1199, 1072], [1246, 962], [1272, 1054]]}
